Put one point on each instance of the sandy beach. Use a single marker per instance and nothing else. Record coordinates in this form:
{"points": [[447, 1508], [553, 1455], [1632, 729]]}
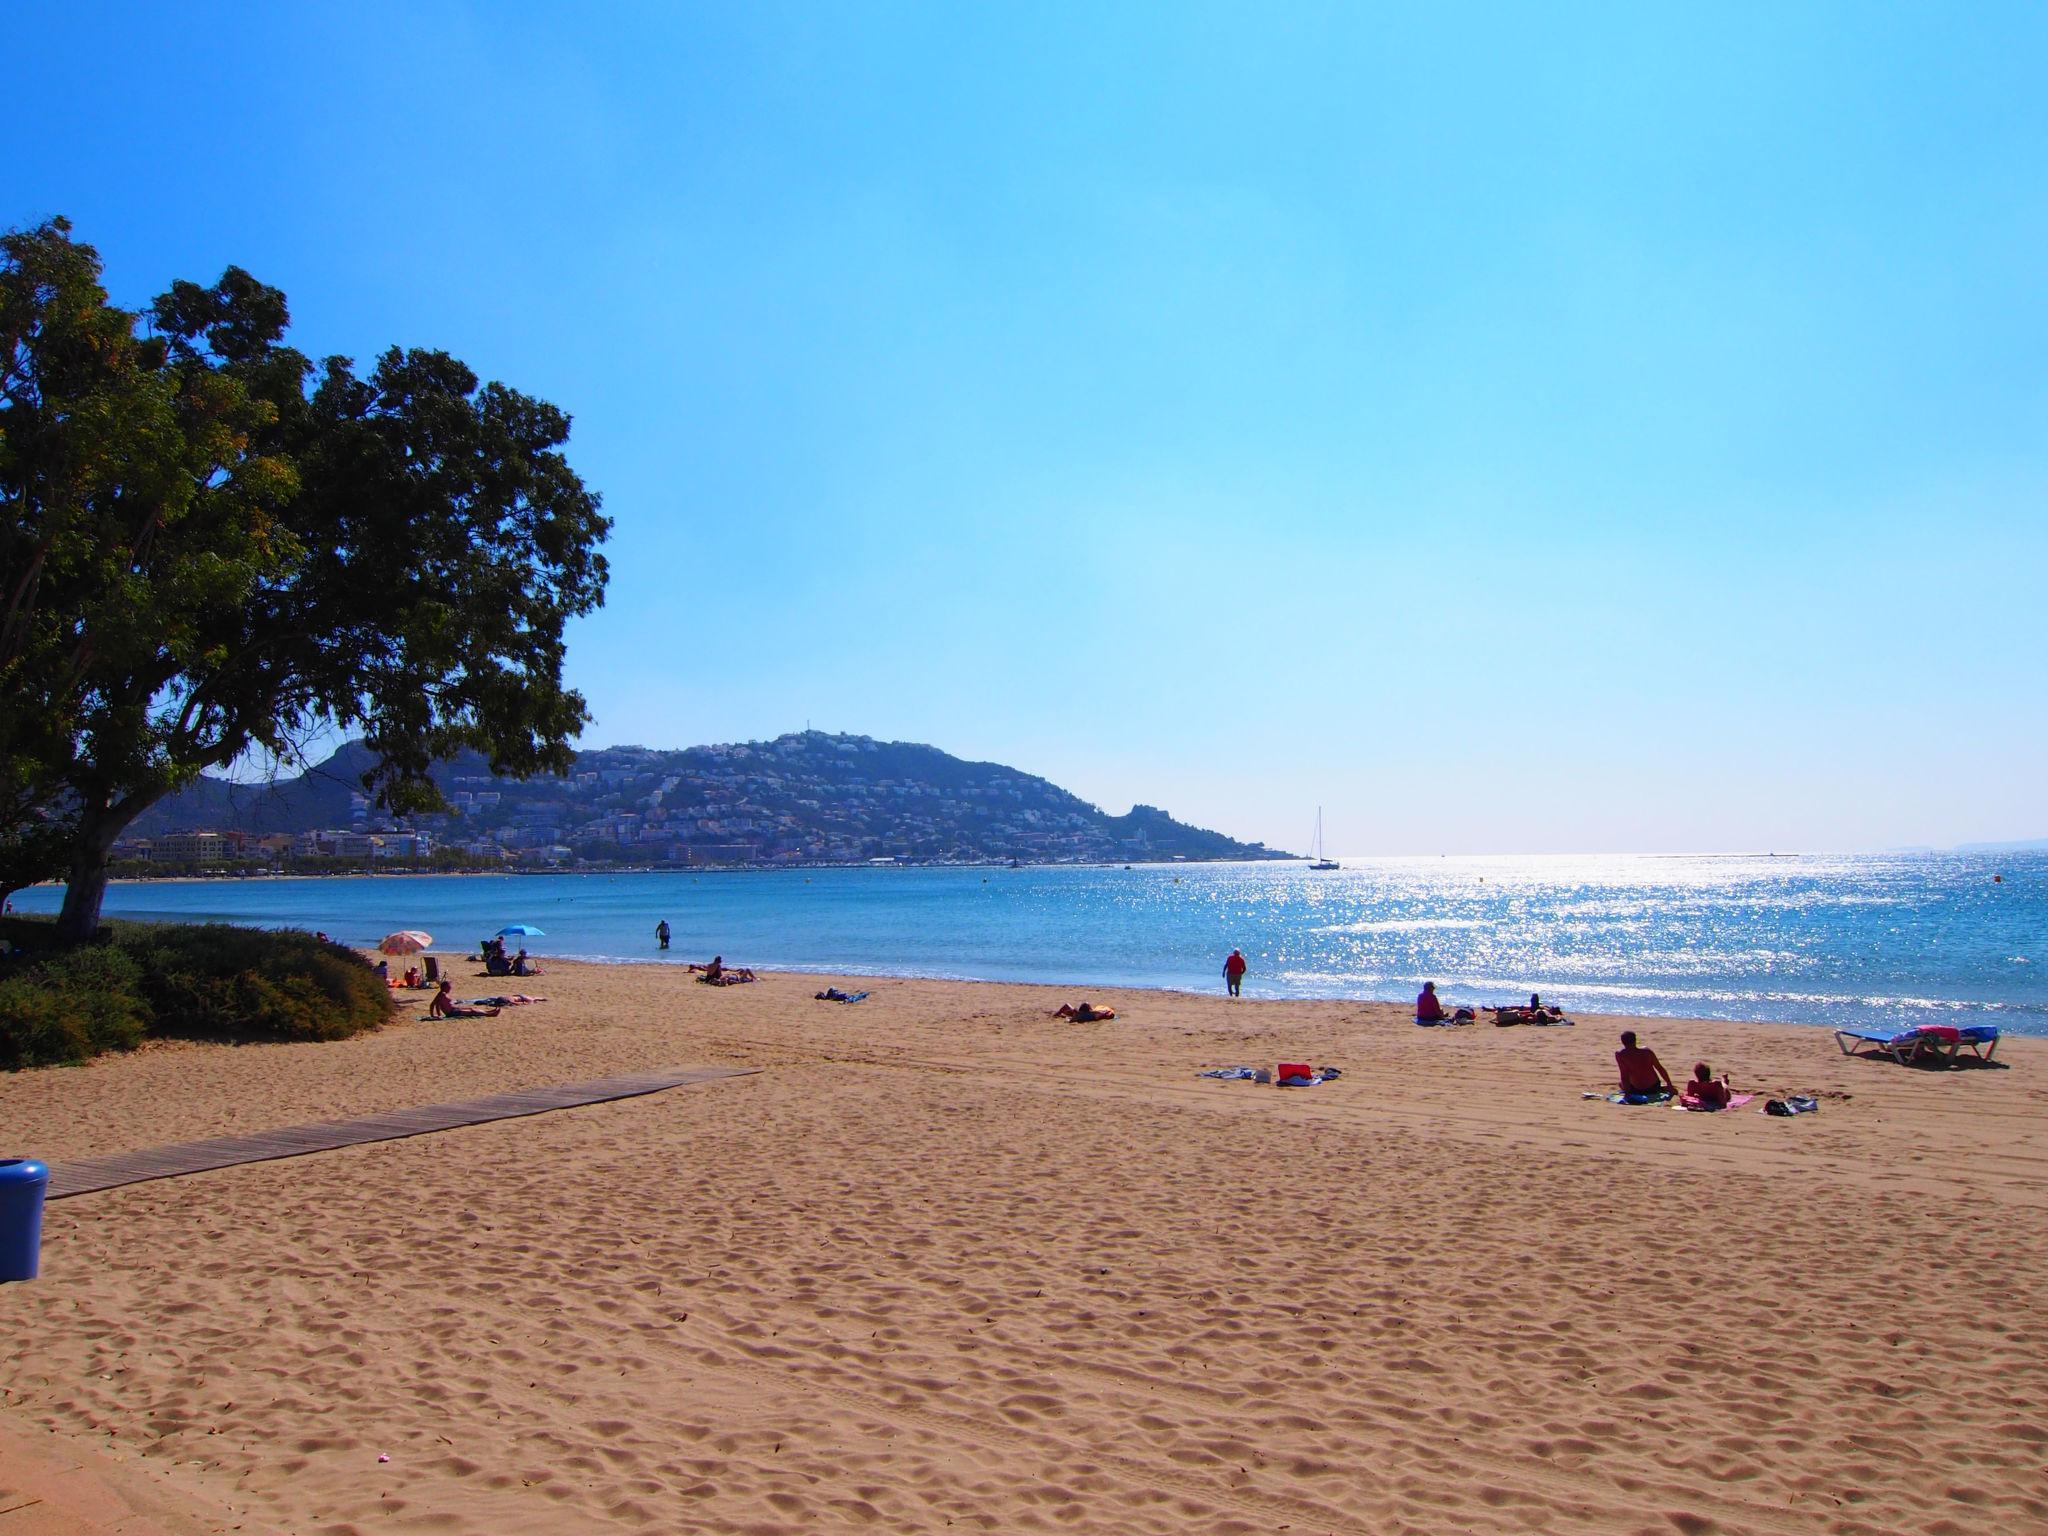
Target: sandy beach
{"points": [[948, 1263]]}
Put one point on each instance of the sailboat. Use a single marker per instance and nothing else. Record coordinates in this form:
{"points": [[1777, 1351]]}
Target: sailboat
{"points": [[1317, 859]]}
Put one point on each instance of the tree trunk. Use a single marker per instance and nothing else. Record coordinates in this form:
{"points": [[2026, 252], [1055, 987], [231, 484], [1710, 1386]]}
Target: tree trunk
{"points": [[86, 885]]}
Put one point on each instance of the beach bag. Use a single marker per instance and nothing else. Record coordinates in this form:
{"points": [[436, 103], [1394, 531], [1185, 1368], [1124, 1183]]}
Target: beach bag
{"points": [[1293, 1069]]}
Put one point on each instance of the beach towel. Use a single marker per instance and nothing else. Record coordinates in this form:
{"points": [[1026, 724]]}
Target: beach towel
{"points": [[1245, 1074], [1661, 1096], [1735, 1101]]}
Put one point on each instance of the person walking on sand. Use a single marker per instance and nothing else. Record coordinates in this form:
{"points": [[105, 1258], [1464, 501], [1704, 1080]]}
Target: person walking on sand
{"points": [[661, 933], [1233, 973]]}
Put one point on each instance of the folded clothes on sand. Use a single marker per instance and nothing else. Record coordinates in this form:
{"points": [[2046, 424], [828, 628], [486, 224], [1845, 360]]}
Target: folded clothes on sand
{"points": [[834, 995], [1296, 1075], [1247, 1074], [1792, 1104]]}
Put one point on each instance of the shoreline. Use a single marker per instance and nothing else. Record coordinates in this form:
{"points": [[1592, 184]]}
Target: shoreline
{"points": [[948, 1262], [1817, 944]]}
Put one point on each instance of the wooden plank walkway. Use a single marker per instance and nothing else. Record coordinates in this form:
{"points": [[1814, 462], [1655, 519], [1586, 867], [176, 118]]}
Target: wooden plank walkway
{"points": [[86, 1175]]}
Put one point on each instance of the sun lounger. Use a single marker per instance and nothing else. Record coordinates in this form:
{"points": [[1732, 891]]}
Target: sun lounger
{"points": [[1906, 1046]]}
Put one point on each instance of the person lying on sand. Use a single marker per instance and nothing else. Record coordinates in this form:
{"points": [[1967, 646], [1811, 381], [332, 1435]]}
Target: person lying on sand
{"points": [[509, 1000], [1705, 1091], [1084, 1013], [445, 1007], [719, 974], [1429, 1009], [1643, 1077], [1537, 1012]]}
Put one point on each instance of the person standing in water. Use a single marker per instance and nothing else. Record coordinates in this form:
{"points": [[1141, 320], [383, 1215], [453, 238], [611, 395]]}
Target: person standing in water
{"points": [[1233, 972], [661, 933]]}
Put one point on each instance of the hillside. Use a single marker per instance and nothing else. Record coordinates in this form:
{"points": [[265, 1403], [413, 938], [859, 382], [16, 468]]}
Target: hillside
{"points": [[808, 796]]}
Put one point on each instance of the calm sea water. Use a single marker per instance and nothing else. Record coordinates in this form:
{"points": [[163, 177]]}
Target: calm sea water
{"points": [[1818, 939]]}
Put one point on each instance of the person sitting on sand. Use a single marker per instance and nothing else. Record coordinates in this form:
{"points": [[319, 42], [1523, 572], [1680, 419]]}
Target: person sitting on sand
{"points": [[1543, 1010], [521, 966], [1643, 1077], [719, 974], [445, 1007], [1705, 1091], [1429, 1008], [1084, 1013], [412, 976]]}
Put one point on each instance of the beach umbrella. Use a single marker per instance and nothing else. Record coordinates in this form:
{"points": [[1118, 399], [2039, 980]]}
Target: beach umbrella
{"points": [[407, 941], [520, 931]]}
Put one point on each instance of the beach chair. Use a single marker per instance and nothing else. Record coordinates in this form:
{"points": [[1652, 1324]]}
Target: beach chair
{"points": [[432, 971], [1918, 1041], [1981, 1040]]}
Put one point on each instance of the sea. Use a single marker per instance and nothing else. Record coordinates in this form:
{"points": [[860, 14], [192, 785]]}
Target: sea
{"points": [[1818, 939], [1762, 936]]}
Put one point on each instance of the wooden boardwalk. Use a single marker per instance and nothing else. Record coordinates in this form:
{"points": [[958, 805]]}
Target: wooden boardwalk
{"points": [[94, 1173]]}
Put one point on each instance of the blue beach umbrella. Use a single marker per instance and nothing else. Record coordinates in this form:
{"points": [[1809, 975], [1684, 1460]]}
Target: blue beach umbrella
{"points": [[520, 931]]}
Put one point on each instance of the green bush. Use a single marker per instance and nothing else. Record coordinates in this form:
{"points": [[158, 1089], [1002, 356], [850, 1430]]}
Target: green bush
{"points": [[72, 1006], [206, 981], [216, 982]]}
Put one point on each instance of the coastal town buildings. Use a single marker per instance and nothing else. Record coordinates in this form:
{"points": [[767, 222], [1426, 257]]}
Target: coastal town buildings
{"points": [[804, 798]]}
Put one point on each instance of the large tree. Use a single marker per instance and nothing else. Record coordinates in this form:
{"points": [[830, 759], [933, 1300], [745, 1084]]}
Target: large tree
{"points": [[211, 547]]}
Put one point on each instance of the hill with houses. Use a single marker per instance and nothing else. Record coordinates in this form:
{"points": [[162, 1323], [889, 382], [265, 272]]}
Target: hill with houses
{"points": [[807, 797]]}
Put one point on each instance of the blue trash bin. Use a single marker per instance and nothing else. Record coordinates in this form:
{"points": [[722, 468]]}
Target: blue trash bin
{"points": [[22, 1183]]}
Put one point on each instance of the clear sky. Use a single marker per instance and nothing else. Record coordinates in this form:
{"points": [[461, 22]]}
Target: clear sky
{"points": [[1512, 428]]}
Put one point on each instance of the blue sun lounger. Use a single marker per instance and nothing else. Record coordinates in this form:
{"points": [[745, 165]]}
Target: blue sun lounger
{"points": [[1908, 1045]]}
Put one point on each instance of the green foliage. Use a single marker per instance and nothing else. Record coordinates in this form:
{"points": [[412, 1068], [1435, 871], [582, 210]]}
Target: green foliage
{"points": [[204, 981], [71, 1007], [218, 982], [196, 542]]}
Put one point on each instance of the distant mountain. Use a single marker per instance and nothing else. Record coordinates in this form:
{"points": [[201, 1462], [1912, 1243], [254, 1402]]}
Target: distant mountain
{"points": [[2022, 845], [804, 797]]}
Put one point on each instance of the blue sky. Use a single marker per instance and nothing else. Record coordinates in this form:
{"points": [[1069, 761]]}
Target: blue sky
{"points": [[1512, 428]]}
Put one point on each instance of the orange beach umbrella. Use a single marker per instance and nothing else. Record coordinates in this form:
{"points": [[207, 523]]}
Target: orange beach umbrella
{"points": [[407, 941]]}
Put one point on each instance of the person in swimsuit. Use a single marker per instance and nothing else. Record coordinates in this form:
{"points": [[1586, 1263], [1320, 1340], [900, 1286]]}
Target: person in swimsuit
{"points": [[445, 1007], [1705, 1091], [1642, 1075]]}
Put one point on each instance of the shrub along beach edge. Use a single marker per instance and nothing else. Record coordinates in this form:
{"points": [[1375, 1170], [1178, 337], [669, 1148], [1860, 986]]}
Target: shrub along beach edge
{"points": [[62, 1004]]}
